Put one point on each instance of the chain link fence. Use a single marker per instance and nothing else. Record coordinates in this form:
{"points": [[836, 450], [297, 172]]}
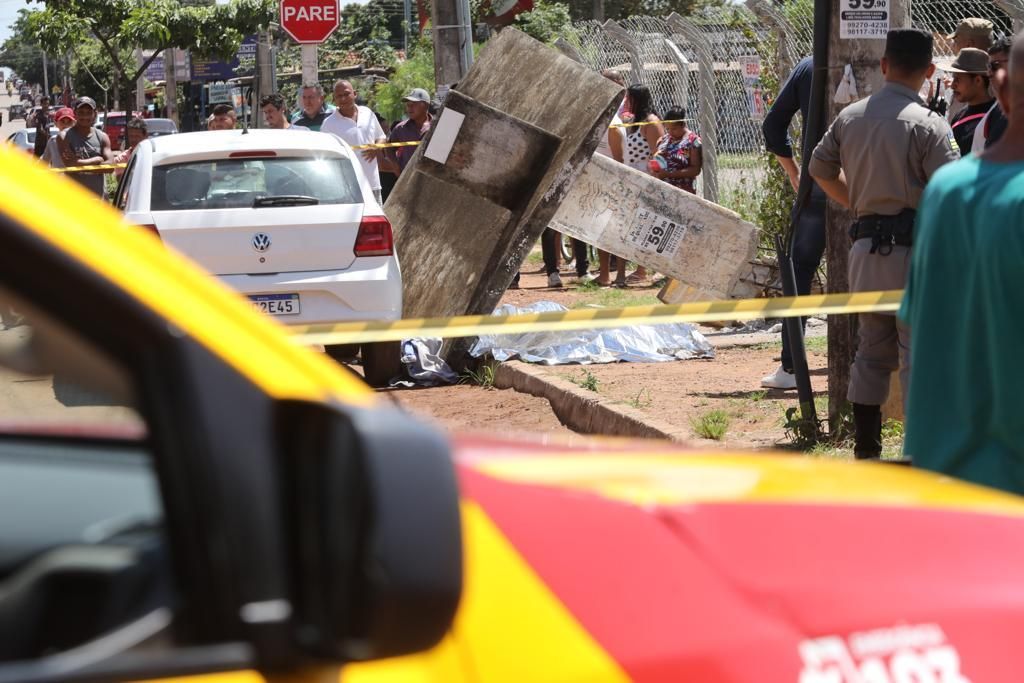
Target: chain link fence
{"points": [[724, 65]]}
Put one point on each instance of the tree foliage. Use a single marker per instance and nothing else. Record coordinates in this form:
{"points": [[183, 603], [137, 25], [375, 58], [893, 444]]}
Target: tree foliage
{"points": [[546, 22], [415, 72], [119, 25]]}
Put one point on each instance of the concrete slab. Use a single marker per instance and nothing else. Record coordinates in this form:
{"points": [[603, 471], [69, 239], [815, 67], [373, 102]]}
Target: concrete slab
{"points": [[704, 247], [530, 116]]}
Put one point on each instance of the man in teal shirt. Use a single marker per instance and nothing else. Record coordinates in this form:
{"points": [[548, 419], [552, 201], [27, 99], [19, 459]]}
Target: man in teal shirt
{"points": [[965, 306]]}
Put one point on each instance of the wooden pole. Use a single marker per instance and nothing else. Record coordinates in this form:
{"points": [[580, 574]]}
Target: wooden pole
{"points": [[864, 56]]}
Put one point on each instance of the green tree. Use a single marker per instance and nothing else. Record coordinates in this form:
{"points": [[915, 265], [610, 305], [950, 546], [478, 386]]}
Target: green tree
{"points": [[415, 72], [546, 21], [120, 25]]}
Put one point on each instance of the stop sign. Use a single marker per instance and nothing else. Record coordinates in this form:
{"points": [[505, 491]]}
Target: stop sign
{"points": [[309, 21]]}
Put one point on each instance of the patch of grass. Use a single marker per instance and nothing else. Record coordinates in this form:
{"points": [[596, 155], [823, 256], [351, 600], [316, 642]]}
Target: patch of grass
{"points": [[712, 425], [739, 161], [758, 395], [639, 401], [535, 258], [816, 344], [587, 380], [484, 377], [892, 430], [611, 297]]}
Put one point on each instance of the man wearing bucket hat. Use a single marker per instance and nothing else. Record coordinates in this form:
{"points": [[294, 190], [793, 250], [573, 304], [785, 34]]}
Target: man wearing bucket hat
{"points": [[970, 87]]}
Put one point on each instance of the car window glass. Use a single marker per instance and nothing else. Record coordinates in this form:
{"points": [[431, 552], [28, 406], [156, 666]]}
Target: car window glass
{"points": [[82, 547], [52, 381], [237, 183]]}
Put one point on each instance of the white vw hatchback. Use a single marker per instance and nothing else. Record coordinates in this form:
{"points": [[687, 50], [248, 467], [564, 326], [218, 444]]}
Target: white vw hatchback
{"points": [[287, 218]]}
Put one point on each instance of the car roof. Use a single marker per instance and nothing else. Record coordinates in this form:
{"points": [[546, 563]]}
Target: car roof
{"points": [[219, 143]]}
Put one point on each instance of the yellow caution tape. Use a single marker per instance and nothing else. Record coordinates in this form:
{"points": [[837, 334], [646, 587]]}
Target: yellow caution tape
{"points": [[104, 168], [646, 123], [587, 319], [386, 145], [94, 168]]}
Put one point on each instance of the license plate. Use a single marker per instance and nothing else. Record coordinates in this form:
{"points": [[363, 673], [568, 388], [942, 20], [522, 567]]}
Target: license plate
{"points": [[276, 304]]}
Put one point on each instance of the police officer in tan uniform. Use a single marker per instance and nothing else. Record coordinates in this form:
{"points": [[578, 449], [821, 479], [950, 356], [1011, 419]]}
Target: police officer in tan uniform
{"points": [[876, 159]]}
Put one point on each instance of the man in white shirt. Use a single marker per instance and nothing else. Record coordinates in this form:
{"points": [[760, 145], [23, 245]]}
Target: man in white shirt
{"points": [[356, 125]]}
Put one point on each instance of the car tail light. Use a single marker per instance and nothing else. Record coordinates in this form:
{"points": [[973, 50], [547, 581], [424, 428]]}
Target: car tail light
{"points": [[152, 229], [374, 237]]}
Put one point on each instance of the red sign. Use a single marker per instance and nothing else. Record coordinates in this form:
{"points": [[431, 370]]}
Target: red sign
{"points": [[309, 21]]}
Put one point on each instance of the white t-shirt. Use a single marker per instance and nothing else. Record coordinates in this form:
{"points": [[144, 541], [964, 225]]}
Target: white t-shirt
{"points": [[603, 147], [978, 145], [364, 130]]}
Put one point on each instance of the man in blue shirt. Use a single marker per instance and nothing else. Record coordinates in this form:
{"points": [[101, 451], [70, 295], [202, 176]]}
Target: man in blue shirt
{"points": [[314, 109], [965, 307], [809, 242]]}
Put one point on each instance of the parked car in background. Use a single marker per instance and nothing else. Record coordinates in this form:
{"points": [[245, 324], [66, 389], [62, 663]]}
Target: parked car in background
{"points": [[113, 125], [287, 218], [25, 139], [159, 127], [16, 111]]}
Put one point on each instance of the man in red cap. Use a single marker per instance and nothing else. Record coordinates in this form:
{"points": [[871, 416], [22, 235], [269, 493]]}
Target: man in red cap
{"points": [[63, 119]]}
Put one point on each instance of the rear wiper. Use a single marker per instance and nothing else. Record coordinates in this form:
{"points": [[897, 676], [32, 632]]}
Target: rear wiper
{"points": [[285, 200]]}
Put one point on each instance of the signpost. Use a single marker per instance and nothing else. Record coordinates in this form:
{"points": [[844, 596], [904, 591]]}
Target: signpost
{"points": [[309, 22]]}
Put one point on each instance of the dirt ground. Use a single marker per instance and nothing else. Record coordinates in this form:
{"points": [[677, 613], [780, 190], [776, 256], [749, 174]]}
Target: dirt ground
{"points": [[720, 401], [688, 394], [468, 408]]}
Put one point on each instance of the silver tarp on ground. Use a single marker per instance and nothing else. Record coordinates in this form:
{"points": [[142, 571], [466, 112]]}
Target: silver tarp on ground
{"points": [[634, 344]]}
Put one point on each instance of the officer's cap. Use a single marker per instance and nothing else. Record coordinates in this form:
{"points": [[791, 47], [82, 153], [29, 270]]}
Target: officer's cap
{"points": [[909, 42]]}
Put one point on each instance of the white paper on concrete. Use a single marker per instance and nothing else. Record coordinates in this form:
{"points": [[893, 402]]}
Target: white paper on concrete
{"points": [[705, 247], [443, 137], [863, 19]]}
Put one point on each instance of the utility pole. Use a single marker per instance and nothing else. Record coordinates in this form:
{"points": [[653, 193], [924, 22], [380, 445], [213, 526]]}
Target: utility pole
{"points": [[46, 76], [263, 74], [407, 9], [171, 84], [453, 41], [140, 84], [863, 54], [310, 69]]}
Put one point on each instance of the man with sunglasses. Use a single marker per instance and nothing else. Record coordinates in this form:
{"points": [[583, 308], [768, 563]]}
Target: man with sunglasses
{"points": [[992, 127]]}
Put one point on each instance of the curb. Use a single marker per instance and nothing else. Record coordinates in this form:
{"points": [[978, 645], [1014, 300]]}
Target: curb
{"points": [[581, 410]]}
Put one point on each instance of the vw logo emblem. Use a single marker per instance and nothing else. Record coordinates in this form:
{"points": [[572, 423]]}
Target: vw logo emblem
{"points": [[261, 241]]}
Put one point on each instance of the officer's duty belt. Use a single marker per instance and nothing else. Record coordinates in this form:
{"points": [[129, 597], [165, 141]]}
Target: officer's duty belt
{"points": [[885, 231]]}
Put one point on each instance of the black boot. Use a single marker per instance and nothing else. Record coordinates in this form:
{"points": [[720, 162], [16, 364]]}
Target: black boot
{"points": [[867, 424]]}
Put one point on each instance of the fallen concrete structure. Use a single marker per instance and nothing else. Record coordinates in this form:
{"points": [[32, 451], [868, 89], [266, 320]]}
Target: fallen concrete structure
{"points": [[705, 248], [491, 173]]}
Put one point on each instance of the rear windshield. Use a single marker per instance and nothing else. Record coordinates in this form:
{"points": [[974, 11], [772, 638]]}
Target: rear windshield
{"points": [[237, 183]]}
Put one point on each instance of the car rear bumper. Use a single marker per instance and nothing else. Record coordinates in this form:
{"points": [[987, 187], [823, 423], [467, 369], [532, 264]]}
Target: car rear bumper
{"points": [[370, 289]]}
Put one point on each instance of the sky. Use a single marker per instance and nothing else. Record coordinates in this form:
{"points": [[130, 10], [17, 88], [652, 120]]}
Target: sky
{"points": [[8, 13]]}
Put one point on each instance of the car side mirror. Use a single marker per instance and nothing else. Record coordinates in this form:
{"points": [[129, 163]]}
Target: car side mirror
{"points": [[378, 543]]}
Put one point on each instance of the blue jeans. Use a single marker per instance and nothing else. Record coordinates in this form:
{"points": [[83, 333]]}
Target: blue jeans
{"points": [[808, 248]]}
